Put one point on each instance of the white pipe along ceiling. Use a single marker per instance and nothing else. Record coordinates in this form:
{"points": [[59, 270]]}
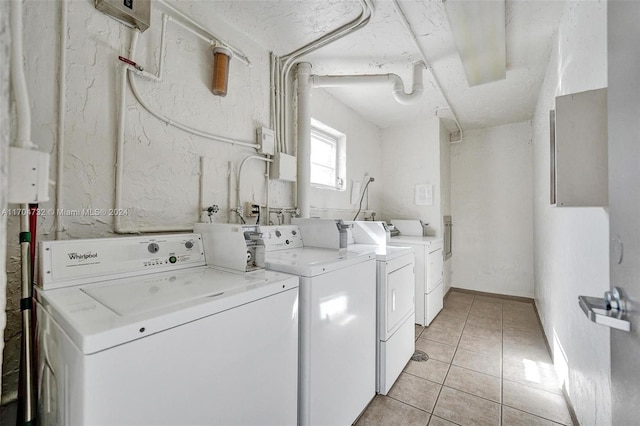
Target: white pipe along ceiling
{"points": [[377, 79]]}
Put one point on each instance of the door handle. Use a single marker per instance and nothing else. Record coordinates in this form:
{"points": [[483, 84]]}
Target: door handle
{"points": [[393, 301], [608, 310]]}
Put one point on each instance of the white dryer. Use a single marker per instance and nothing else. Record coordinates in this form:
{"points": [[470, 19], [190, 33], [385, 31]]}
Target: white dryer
{"points": [[395, 278], [337, 325], [429, 287], [136, 331]]}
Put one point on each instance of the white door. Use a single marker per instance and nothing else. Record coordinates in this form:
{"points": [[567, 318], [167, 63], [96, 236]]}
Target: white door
{"points": [[624, 201]]}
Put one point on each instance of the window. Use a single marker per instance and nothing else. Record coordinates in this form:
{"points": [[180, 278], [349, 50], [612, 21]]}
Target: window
{"points": [[328, 157]]}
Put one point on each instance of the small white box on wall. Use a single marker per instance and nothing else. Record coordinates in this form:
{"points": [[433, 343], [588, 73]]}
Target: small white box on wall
{"points": [[423, 194], [28, 176], [284, 167]]}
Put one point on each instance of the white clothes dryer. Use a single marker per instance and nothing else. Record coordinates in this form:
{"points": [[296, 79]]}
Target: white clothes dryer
{"points": [[395, 283], [429, 288]]}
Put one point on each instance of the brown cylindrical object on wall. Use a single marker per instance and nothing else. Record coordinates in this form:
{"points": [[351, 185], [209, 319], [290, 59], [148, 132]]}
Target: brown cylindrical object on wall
{"points": [[221, 58]]}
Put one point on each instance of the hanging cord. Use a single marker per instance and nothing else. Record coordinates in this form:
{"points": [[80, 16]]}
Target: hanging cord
{"points": [[362, 197]]}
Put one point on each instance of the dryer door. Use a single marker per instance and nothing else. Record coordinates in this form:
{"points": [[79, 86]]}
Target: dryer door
{"points": [[434, 269], [400, 292]]}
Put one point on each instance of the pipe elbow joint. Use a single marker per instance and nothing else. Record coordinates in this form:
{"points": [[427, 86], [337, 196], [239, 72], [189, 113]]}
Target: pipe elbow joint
{"points": [[407, 98]]}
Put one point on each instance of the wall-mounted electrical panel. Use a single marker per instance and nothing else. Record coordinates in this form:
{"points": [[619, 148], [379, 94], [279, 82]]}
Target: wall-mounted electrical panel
{"points": [[28, 176], [266, 138], [579, 159], [284, 167], [133, 13]]}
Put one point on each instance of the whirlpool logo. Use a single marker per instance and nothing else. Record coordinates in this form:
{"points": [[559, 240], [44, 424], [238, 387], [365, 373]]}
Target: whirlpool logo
{"points": [[82, 257]]}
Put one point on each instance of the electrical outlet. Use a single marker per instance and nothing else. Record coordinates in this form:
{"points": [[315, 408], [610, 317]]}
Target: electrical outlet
{"points": [[251, 209]]}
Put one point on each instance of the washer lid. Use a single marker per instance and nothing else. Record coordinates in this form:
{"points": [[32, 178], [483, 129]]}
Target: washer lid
{"points": [[312, 261], [410, 239], [383, 253], [109, 313]]}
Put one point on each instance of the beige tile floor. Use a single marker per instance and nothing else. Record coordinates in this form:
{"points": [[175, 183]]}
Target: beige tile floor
{"points": [[488, 365]]}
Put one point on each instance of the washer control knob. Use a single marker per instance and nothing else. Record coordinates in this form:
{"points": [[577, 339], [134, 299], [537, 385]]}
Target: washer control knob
{"points": [[173, 259], [188, 244], [294, 232], [153, 248], [278, 234]]}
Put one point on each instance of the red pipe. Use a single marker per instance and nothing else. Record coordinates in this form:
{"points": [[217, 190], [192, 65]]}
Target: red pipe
{"points": [[33, 225]]}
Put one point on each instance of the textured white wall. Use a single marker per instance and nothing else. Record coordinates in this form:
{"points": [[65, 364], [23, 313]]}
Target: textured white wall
{"points": [[364, 157], [411, 157], [491, 197], [571, 244], [4, 144], [162, 163]]}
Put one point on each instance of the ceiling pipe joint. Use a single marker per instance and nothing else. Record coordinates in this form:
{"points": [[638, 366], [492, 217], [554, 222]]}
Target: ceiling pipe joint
{"points": [[398, 90], [416, 92]]}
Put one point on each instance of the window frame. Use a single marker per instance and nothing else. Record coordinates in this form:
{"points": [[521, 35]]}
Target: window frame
{"points": [[321, 131]]}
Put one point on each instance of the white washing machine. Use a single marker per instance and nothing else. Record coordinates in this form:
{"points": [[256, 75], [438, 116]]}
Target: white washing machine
{"points": [[429, 287], [395, 278], [136, 331], [337, 377]]}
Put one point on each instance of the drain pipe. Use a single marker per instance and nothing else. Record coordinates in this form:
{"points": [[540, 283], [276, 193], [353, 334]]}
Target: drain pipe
{"points": [[414, 38], [381, 79], [304, 138]]}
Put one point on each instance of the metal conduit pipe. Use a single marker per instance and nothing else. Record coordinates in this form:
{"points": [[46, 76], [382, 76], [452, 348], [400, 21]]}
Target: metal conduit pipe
{"points": [[62, 90], [304, 139], [287, 61], [119, 174], [159, 116], [414, 38], [380, 79], [18, 80], [201, 32], [241, 167]]}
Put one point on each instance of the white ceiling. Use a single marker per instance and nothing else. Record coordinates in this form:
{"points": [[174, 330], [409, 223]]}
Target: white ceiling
{"points": [[384, 46]]}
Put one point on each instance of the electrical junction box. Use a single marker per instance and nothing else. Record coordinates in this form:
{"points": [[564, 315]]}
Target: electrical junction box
{"points": [[266, 138], [28, 176], [133, 13], [284, 167]]}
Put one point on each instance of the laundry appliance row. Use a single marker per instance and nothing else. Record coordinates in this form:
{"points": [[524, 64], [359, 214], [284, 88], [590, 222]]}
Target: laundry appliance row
{"points": [[192, 329]]}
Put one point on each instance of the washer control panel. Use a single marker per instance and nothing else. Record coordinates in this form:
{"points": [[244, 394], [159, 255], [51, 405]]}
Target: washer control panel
{"points": [[281, 237], [83, 261]]}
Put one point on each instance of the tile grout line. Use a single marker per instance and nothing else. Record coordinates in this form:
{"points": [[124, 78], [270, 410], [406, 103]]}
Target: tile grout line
{"points": [[408, 405], [534, 415], [450, 364], [502, 379], [449, 368]]}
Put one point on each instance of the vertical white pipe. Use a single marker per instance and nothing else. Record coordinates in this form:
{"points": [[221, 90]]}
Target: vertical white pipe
{"points": [[18, 81], [267, 185], [201, 192], [117, 222], [62, 89], [304, 138]]}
